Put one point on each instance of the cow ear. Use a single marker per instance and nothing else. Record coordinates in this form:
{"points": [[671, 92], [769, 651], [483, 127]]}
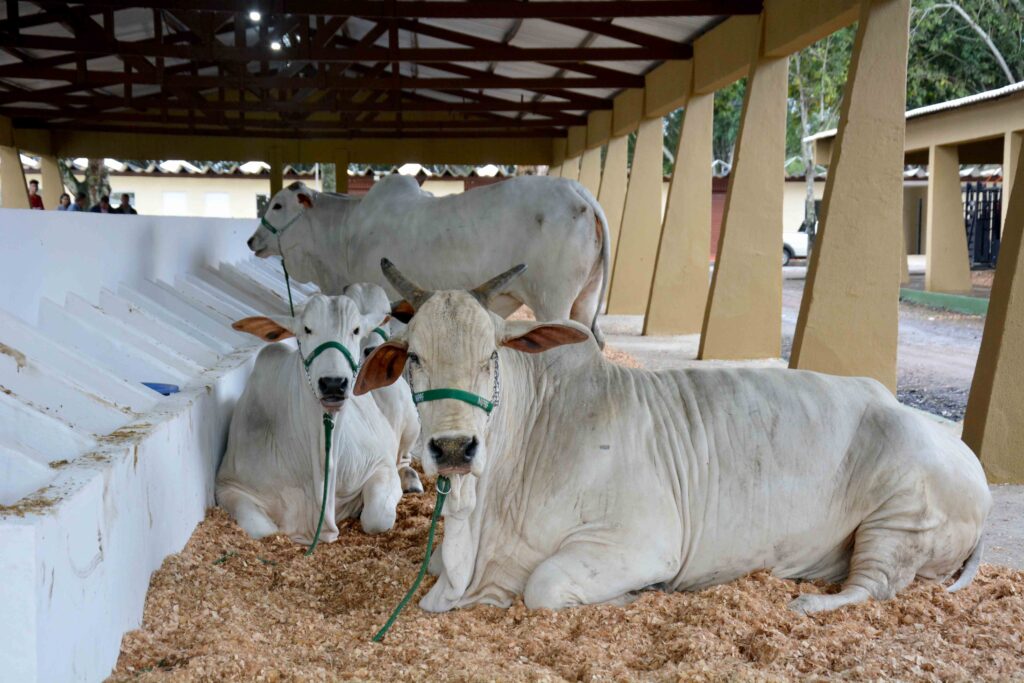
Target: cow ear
{"points": [[263, 327], [382, 368], [305, 200], [402, 311], [542, 337]]}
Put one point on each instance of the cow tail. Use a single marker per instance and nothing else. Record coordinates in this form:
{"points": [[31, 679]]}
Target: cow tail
{"points": [[606, 248], [970, 569]]}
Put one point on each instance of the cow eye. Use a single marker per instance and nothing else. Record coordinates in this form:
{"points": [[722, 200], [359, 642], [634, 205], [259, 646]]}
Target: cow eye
{"points": [[414, 359], [356, 331], [277, 206], [308, 331]]}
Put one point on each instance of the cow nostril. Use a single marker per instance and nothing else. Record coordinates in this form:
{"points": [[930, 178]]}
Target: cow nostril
{"points": [[249, 242], [435, 449], [470, 451]]}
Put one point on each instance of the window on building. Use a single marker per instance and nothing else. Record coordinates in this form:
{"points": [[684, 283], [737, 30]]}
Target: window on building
{"points": [[217, 205], [261, 203], [175, 204]]}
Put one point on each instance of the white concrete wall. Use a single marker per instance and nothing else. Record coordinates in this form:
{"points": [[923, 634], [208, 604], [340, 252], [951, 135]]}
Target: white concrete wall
{"points": [[100, 477]]}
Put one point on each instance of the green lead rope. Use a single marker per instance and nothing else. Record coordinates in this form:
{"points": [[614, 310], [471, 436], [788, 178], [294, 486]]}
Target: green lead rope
{"points": [[287, 281], [328, 431], [444, 487]]}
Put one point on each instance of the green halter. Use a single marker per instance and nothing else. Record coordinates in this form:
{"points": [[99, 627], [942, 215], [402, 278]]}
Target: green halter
{"points": [[279, 231], [308, 360], [457, 394], [382, 333], [472, 399]]}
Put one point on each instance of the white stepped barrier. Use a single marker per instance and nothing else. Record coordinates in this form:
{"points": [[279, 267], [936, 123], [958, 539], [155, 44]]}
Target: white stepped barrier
{"points": [[101, 477], [137, 318]]}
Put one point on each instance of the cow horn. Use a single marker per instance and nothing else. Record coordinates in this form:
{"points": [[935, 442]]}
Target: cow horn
{"points": [[484, 292], [409, 290]]}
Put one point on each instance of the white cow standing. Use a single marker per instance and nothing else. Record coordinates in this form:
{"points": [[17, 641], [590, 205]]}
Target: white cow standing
{"points": [[271, 478], [591, 481], [553, 224]]}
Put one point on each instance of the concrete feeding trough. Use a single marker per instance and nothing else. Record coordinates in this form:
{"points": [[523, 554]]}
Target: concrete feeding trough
{"points": [[101, 476]]}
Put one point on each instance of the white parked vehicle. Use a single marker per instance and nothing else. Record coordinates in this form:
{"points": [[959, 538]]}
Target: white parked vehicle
{"points": [[794, 245]]}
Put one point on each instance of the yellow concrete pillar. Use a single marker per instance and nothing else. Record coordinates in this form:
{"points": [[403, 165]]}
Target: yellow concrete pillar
{"points": [[743, 318], [341, 161], [571, 168], [590, 170], [904, 268], [612, 195], [947, 268], [1011, 153], [679, 289], [641, 224], [52, 184], [13, 188], [849, 314], [994, 423], [276, 172]]}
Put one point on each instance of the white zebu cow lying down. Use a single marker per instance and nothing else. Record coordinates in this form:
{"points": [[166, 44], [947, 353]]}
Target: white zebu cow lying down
{"points": [[591, 481], [271, 478], [393, 400], [553, 224]]}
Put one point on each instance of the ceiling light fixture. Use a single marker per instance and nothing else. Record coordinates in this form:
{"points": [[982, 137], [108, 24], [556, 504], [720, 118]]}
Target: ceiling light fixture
{"points": [[275, 45], [255, 16]]}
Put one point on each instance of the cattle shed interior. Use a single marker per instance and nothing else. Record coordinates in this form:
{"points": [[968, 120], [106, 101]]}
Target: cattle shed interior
{"points": [[101, 478]]}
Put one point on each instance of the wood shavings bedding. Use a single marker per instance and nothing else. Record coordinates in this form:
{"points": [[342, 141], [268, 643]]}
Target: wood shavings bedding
{"points": [[229, 608]]}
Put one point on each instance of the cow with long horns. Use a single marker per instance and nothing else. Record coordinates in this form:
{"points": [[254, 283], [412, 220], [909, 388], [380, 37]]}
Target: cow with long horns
{"points": [[578, 481]]}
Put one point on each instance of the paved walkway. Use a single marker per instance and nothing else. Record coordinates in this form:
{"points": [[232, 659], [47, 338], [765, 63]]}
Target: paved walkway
{"points": [[1004, 535]]}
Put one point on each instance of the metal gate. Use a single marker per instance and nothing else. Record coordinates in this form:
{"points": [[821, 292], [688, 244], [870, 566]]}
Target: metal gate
{"points": [[982, 220]]}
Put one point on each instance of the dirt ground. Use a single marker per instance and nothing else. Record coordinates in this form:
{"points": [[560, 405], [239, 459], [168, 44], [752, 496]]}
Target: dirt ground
{"points": [[936, 356], [229, 608]]}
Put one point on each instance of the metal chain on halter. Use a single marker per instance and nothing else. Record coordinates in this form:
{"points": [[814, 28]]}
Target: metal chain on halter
{"points": [[497, 381], [305, 370]]}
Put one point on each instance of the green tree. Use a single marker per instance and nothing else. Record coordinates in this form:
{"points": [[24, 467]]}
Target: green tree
{"points": [[95, 181], [728, 111], [959, 48], [817, 75]]}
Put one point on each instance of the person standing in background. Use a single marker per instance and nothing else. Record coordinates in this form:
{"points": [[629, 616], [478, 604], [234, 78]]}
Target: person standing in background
{"points": [[79, 203], [65, 203], [34, 200], [126, 206], [103, 206]]}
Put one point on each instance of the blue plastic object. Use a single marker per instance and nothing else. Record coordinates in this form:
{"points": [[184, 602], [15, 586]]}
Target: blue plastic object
{"points": [[165, 389]]}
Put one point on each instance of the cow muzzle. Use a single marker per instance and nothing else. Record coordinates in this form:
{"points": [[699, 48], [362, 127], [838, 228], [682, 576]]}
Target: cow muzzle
{"points": [[333, 392], [258, 245], [453, 454]]}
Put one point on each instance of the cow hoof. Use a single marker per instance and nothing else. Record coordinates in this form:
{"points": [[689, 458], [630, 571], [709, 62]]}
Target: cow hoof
{"points": [[805, 604], [410, 480], [809, 603]]}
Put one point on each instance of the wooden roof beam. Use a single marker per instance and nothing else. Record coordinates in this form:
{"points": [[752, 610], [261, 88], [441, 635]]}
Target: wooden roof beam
{"points": [[480, 9]]}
